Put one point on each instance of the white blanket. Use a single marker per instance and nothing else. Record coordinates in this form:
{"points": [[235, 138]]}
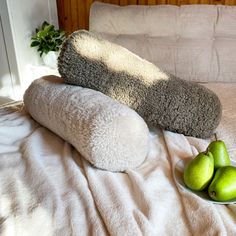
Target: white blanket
{"points": [[47, 188]]}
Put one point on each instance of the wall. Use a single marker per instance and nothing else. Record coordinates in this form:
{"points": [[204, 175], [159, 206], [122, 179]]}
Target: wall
{"points": [[23, 17], [5, 75], [74, 14]]}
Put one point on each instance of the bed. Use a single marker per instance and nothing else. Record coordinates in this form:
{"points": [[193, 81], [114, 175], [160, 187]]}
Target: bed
{"points": [[48, 188]]}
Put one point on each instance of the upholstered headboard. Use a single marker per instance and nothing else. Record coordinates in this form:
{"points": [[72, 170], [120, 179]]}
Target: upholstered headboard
{"points": [[74, 14], [194, 42]]}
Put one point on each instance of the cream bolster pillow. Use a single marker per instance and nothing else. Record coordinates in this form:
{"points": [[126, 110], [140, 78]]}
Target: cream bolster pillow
{"points": [[161, 99], [109, 135]]}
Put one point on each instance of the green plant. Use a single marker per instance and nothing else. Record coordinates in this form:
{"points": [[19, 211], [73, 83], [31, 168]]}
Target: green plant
{"points": [[47, 38]]}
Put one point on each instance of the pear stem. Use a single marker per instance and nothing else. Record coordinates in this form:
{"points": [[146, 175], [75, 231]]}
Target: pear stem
{"points": [[207, 150], [215, 136]]}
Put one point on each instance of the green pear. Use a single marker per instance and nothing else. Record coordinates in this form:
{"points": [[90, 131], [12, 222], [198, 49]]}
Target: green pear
{"points": [[223, 185], [199, 172], [220, 153]]}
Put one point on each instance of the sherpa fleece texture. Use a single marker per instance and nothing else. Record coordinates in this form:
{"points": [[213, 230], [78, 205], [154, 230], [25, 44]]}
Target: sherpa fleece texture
{"points": [[108, 134], [161, 99]]}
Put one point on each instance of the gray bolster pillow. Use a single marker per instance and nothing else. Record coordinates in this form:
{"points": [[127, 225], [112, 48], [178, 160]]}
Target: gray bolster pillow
{"points": [[163, 100], [108, 134]]}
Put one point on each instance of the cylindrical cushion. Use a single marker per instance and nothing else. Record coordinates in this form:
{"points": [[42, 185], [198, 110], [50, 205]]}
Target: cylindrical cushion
{"points": [[108, 134], [161, 99]]}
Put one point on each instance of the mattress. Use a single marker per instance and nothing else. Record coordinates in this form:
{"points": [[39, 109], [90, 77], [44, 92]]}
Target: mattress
{"points": [[48, 188]]}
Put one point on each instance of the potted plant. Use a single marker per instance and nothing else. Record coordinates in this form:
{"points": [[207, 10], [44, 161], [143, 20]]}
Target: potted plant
{"points": [[48, 40]]}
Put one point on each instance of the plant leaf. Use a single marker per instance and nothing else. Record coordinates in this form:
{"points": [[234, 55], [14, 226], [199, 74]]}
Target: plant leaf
{"points": [[47, 38], [48, 28], [34, 44], [45, 23]]}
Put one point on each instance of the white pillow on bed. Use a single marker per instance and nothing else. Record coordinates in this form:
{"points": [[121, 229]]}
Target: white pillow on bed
{"points": [[108, 134]]}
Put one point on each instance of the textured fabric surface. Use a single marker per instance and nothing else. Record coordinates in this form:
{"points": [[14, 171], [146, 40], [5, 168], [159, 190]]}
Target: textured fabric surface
{"points": [[193, 42], [108, 134], [46, 188], [161, 99]]}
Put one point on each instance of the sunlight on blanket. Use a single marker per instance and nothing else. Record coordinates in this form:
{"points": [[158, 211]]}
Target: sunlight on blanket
{"points": [[21, 214]]}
